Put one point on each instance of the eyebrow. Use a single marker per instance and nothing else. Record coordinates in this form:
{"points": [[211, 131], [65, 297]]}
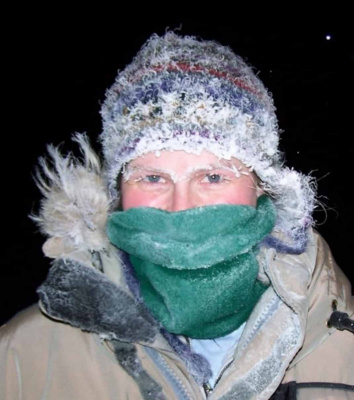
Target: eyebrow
{"points": [[205, 167], [129, 170], [209, 167], [138, 168], [197, 169]]}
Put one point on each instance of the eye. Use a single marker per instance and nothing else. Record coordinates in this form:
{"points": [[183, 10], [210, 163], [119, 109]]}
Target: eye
{"points": [[154, 179], [212, 178]]}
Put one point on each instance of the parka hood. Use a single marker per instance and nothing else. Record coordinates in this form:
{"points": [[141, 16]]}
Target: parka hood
{"points": [[90, 286]]}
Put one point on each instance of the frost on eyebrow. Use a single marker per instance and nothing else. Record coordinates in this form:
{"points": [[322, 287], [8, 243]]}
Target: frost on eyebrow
{"points": [[129, 170], [226, 166]]}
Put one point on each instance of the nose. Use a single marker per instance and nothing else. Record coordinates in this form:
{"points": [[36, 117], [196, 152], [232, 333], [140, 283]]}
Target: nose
{"points": [[181, 198]]}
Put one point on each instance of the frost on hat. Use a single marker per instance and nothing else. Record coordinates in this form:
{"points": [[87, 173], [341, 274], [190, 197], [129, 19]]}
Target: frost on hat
{"points": [[180, 93]]}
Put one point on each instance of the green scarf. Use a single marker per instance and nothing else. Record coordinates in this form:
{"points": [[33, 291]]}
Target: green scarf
{"points": [[197, 268]]}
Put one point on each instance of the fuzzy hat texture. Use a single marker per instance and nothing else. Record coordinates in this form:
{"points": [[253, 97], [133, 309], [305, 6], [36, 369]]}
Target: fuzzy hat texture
{"points": [[180, 93]]}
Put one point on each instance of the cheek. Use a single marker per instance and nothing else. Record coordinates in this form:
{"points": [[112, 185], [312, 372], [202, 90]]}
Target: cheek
{"points": [[247, 197], [133, 196], [244, 192], [238, 193]]}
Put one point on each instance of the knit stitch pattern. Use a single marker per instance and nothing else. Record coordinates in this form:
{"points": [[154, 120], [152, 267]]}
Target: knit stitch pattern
{"points": [[180, 93]]}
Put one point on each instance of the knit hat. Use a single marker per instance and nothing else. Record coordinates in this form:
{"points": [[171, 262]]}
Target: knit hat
{"points": [[180, 93]]}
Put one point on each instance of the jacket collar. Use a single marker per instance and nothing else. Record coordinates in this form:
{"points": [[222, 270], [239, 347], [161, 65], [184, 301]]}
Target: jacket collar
{"points": [[86, 288], [85, 298]]}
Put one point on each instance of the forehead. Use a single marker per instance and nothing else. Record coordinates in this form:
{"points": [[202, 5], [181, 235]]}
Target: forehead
{"points": [[180, 160]]}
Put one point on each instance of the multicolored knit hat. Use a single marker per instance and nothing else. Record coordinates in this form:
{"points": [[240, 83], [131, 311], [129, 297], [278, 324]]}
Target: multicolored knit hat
{"points": [[180, 93]]}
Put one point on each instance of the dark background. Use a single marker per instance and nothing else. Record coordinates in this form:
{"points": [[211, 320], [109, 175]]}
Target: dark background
{"points": [[58, 66]]}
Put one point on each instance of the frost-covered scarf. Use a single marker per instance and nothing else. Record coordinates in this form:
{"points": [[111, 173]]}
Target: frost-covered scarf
{"points": [[197, 268]]}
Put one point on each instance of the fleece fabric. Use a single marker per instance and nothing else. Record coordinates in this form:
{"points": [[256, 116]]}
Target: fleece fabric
{"points": [[197, 268]]}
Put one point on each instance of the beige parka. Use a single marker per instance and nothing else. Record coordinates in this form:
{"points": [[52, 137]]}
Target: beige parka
{"points": [[91, 338]]}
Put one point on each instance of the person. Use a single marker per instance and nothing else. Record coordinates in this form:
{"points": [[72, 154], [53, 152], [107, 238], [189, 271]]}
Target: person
{"points": [[187, 266]]}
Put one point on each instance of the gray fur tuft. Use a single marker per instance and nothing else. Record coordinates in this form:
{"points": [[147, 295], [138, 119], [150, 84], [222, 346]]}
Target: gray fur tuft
{"points": [[127, 357], [75, 204], [87, 299]]}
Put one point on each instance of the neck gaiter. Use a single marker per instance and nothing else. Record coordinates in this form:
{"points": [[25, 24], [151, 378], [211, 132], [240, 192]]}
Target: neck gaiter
{"points": [[197, 268]]}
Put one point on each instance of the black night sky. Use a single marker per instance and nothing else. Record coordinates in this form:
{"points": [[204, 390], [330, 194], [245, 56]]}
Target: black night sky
{"points": [[57, 70]]}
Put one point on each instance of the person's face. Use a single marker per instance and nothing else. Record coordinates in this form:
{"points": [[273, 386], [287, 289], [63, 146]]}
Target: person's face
{"points": [[177, 180]]}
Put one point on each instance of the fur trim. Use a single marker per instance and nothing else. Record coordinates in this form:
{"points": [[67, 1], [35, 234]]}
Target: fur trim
{"points": [[87, 299], [126, 355], [75, 205]]}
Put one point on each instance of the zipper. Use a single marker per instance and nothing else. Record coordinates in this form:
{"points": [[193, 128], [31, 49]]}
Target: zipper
{"points": [[207, 388], [167, 372], [222, 371]]}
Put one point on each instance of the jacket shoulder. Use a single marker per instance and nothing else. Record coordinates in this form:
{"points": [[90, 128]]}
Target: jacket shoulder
{"points": [[330, 280], [32, 331], [40, 356], [30, 334], [24, 326], [326, 346]]}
